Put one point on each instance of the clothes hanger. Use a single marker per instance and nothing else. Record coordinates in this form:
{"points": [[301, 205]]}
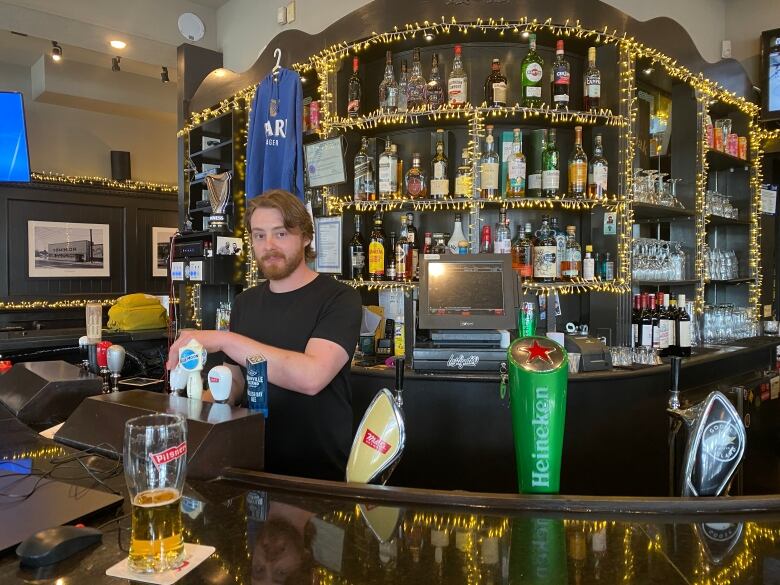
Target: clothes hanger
{"points": [[277, 67]]}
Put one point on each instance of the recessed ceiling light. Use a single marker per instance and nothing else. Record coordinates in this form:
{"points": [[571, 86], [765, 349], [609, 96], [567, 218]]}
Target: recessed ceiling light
{"points": [[118, 44]]}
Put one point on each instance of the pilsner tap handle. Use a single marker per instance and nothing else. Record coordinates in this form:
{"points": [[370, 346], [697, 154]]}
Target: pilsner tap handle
{"points": [[116, 360], [178, 379], [674, 391], [220, 380], [399, 381]]}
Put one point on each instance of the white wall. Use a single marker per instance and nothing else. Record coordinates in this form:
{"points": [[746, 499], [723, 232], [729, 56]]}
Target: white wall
{"points": [[245, 27], [78, 142], [745, 20]]}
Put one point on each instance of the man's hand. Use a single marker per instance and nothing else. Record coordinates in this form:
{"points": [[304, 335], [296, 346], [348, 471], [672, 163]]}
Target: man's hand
{"points": [[210, 340]]}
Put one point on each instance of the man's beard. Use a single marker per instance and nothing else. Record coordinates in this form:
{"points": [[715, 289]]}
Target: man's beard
{"points": [[280, 271]]}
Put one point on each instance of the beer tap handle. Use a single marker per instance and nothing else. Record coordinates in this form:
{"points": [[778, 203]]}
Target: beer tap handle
{"points": [[399, 381], [674, 391], [84, 352], [116, 360]]}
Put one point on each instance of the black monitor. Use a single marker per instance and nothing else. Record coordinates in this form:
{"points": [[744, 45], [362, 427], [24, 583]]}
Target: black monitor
{"points": [[468, 291], [770, 75]]}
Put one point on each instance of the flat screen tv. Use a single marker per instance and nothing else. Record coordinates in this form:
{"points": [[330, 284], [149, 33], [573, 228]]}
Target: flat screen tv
{"points": [[468, 291], [770, 75], [14, 154]]}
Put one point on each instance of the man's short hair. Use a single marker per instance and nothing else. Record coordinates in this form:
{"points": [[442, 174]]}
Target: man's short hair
{"points": [[294, 214]]}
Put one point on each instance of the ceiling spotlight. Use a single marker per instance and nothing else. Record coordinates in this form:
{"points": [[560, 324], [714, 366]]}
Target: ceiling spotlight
{"points": [[164, 75], [647, 70], [56, 51], [115, 63], [118, 44]]}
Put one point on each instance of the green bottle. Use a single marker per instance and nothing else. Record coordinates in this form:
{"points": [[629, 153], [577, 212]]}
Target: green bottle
{"points": [[538, 376], [531, 76], [551, 169]]}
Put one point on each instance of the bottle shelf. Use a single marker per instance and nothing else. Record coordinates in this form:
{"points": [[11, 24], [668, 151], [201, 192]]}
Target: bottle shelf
{"points": [[730, 280], [660, 283], [719, 161], [575, 287], [380, 284], [458, 203], [718, 220], [650, 213], [543, 117], [211, 150]]}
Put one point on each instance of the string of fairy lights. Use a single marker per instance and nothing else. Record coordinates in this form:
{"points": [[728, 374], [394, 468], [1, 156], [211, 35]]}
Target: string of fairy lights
{"points": [[102, 182]]}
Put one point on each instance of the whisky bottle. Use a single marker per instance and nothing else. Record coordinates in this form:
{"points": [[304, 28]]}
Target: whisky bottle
{"points": [[361, 172], [533, 185], [463, 180], [434, 92], [411, 237], [598, 171], [388, 89], [415, 182], [440, 181], [357, 253], [515, 180], [502, 242], [532, 73], [376, 250], [495, 86], [560, 78], [572, 260], [545, 252], [388, 172], [578, 167], [523, 251], [402, 255], [551, 174], [489, 165], [403, 88], [458, 84], [415, 90], [390, 256], [591, 83], [354, 91]]}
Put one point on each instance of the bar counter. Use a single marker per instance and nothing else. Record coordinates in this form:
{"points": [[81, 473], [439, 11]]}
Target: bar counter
{"points": [[278, 529]]}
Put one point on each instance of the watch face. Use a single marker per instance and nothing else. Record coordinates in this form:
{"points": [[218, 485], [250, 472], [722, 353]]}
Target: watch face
{"points": [[721, 440]]}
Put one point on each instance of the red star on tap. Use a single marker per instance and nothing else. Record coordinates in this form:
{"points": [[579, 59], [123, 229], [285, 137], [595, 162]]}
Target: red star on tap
{"points": [[536, 351]]}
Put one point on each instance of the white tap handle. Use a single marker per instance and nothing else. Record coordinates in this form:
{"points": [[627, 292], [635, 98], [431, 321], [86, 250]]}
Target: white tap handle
{"points": [[179, 377], [220, 381], [194, 386], [115, 355]]}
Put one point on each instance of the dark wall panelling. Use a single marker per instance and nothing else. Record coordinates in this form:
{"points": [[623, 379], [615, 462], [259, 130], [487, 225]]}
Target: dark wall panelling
{"points": [[130, 216]]}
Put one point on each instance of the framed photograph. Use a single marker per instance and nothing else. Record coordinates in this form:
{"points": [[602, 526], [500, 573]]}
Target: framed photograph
{"points": [[67, 250], [327, 238], [161, 249], [229, 246]]}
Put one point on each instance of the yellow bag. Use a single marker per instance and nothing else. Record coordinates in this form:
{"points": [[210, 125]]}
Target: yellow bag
{"points": [[137, 311]]}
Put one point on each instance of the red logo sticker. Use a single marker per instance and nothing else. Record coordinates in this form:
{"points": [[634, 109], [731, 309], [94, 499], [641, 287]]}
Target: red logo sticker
{"points": [[373, 441], [169, 454]]}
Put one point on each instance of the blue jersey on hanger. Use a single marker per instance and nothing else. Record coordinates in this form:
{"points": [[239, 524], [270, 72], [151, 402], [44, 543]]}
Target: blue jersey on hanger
{"points": [[274, 152]]}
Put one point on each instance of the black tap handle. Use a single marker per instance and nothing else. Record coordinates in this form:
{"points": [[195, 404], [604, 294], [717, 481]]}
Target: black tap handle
{"points": [[399, 374], [676, 364]]}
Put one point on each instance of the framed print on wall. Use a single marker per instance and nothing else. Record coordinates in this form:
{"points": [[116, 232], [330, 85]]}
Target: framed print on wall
{"points": [[67, 250], [161, 249]]}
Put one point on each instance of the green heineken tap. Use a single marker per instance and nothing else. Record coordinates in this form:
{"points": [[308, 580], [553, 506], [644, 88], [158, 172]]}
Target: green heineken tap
{"points": [[538, 376]]}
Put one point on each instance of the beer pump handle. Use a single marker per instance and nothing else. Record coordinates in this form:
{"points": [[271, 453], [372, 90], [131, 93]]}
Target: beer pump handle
{"points": [[674, 391], [399, 380]]}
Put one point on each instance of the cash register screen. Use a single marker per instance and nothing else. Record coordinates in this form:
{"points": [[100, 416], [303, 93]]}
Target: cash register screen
{"points": [[467, 292]]}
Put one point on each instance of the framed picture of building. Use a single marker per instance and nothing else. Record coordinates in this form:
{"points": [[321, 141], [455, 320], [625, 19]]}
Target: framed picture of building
{"points": [[161, 249], [67, 250]]}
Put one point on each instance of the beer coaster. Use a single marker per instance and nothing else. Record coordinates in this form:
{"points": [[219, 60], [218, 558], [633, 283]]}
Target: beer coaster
{"points": [[194, 555]]}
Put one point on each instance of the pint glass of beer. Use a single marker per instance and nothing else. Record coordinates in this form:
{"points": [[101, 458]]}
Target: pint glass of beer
{"points": [[155, 457]]}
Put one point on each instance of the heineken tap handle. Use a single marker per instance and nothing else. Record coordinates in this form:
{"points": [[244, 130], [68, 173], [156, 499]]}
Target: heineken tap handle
{"points": [[674, 391], [399, 380]]}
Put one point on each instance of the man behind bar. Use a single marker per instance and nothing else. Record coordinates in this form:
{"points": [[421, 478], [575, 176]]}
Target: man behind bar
{"points": [[306, 325]]}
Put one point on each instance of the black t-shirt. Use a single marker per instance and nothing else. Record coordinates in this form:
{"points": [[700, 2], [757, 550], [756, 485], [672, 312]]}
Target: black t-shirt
{"points": [[308, 436]]}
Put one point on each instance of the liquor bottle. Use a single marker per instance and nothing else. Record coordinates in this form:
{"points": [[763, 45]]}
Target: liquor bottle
{"points": [[682, 329], [591, 83], [502, 243], [655, 317], [488, 166], [388, 173], [531, 74], [636, 321], [440, 180], [414, 244], [578, 167], [646, 339], [560, 239], [598, 171], [457, 235], [572, 259], [458, 83], [434, 92], [609, 267], [401, 254], [588, 267], [361, 171], [515, 180], [485, 241], [388, 89], [399, 174], [533, 186], [357, 253], [560, 77], [354, 91], [522, 252], [370, 184], [376, 250], [403, 88], [495, 86], [415, 90], [415, 182], [463, 180], [545, 253], [664, 324], [551, 173]]}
